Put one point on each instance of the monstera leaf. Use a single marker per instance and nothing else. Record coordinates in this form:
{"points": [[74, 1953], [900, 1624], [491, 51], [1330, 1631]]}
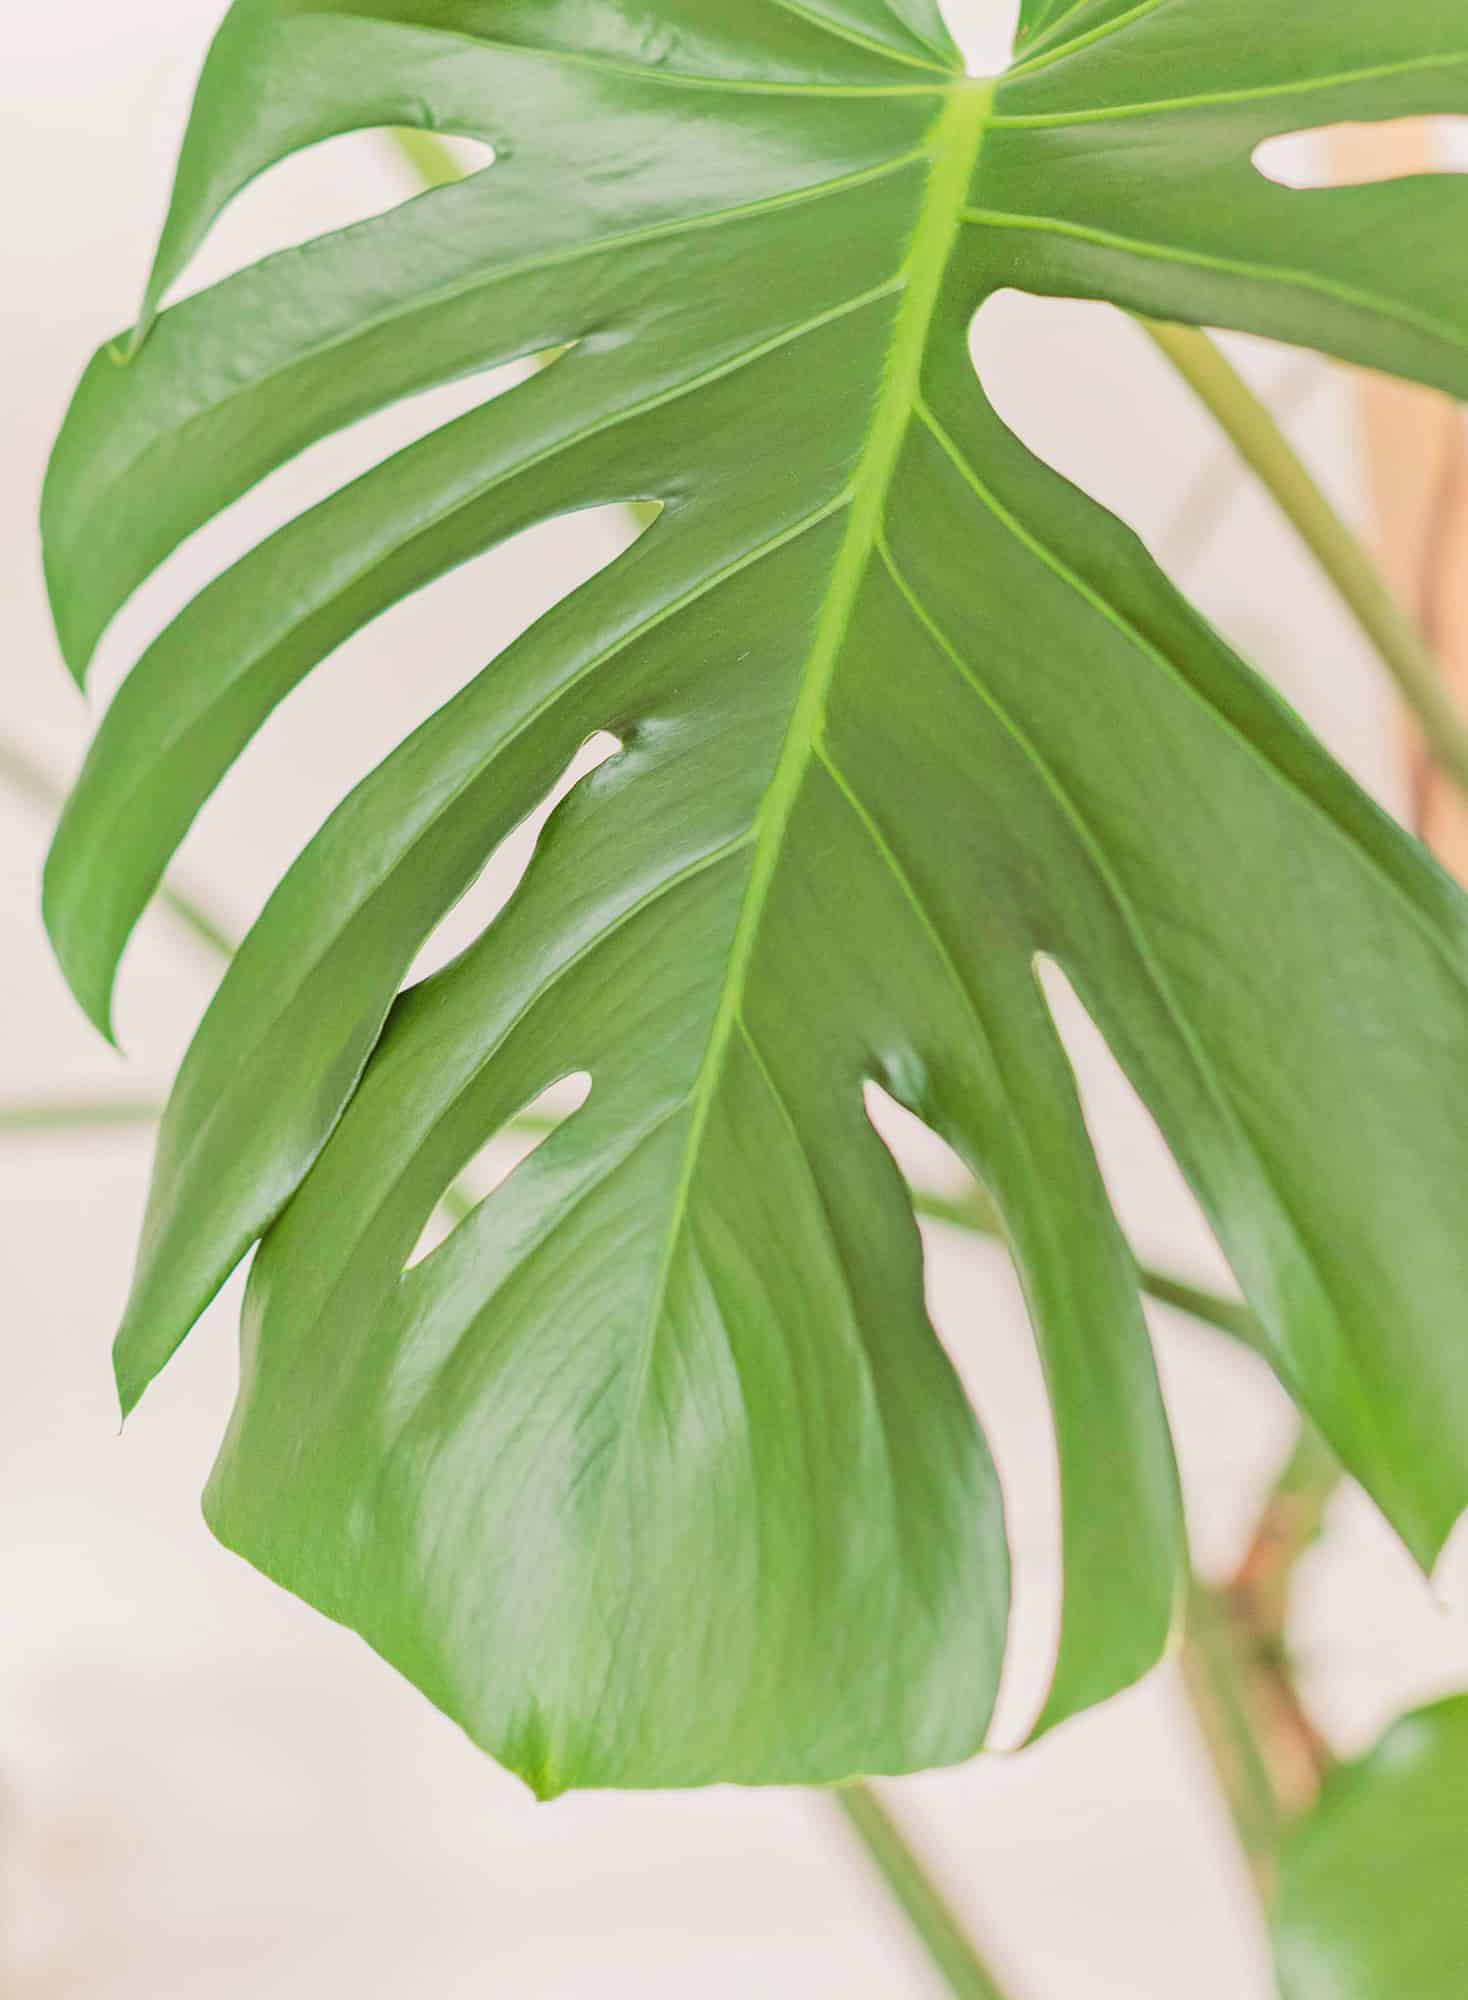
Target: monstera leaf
{"points": [[654, 1473], [1371, 1903]]}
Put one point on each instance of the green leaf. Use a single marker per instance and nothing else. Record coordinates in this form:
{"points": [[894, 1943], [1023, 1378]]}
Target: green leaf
{"points": [[1371, 1903], [654, 1473]]}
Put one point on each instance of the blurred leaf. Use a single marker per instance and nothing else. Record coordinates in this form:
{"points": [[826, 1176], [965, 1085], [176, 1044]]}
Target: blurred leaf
{"points": [[1373, 1886], [654, 1472]]}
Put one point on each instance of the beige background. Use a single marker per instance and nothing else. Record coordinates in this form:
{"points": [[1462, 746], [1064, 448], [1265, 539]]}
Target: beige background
{"points": [[205, 1791]]}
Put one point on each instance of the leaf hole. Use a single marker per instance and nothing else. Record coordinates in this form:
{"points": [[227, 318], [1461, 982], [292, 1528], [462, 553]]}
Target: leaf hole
{"points": [[1064, 375], [984, 30], [1363, 155], [510, 862], [974, 1301], [1067, 376], [420, 151], [924, 1159], [349, 178], [516, 1143], [290, 489], [1230, 1421]]}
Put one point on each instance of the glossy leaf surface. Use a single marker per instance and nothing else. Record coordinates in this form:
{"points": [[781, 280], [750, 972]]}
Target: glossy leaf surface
{"points": [[1371, 1899], [655, 1473]]}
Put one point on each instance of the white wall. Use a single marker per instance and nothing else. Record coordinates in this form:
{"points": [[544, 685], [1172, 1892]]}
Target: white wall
{"points": [[205, 1791]]}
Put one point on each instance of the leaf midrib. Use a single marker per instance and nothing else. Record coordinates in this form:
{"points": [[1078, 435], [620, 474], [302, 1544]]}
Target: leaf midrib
{"points": [[841, 32], [957, 136]]}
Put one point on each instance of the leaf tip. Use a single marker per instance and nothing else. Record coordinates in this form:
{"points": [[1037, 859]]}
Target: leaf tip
{"points": [[92, 988], [135, 1359], [129, 1385], [94, 999]]}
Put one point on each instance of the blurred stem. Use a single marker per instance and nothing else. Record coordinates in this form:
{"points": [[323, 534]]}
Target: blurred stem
{"points": [[1268, 1755], [934, 1921], [1214, 1680], [430, 160], [1289, 1526], [1196, 517], [74, 1115], [1345, 559], [976, 1213]]}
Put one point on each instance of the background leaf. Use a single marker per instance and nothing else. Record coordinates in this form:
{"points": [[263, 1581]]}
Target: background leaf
{"points": [[1371, 1903]]}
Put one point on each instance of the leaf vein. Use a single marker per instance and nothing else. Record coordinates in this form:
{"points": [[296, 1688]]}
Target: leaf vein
{"points": [[1041, 58], [1048, 225], [839, 32]]}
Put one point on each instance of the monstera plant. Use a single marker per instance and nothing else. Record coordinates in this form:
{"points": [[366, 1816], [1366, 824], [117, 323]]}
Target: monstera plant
{"points": [[654, 1472]]}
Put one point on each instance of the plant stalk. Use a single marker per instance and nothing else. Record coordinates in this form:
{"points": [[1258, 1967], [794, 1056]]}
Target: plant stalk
{"points": [[427, 157], [1215, 1680], [976, 1214], [1342, 555], [1269, 1758], [947, 1941], [74, 1115]]}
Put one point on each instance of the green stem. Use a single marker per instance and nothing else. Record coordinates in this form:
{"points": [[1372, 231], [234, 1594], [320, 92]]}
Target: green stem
{"points": [[1263, 446], [1304, 1490], [933, 1919], [75, 1115], [1197, 514], [1215, 1680], [1268, 1755], [977, 1215], [431, 162], [27, 779]]}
